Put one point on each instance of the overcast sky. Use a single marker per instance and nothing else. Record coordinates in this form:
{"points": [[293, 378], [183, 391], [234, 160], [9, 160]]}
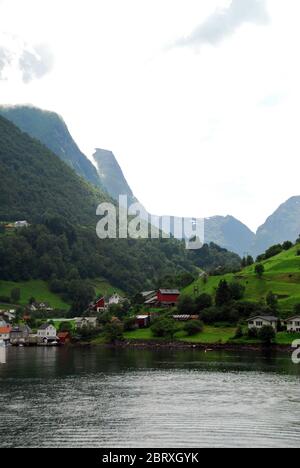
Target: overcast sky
{"points": [[199, 100]]}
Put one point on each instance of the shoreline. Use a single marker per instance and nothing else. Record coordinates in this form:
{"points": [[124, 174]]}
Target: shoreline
{"points": [[175, 345]]}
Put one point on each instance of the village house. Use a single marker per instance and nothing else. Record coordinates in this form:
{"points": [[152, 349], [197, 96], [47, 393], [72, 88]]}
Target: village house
{"points": [[4, 332], [162, 298], [21, 224], [88, 322], [115, 299], [293, 324], [261, 321], [64, 337], [46, 332], [143, 321], [20, 335], [99, 305]]}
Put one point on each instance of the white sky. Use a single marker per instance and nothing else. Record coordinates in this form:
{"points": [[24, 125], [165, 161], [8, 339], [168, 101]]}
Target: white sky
{"points": [[203, 121]]}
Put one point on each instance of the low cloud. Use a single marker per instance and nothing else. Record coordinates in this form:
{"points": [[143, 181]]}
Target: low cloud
{"points": [[35, 63], [16, 56], [5, 60], [224, 22]]}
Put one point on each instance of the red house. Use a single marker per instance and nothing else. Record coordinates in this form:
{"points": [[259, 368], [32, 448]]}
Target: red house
{"points": [[64, 337], [99, 305], [168, 297]]}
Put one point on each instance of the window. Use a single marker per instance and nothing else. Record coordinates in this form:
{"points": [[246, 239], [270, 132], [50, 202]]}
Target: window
{"points": [[259, 324]]}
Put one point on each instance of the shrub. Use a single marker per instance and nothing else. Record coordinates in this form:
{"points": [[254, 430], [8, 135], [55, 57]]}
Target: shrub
{"points": [[186, 305], [130, 324], [237, 291], [287, 245], [113, 331], [259, 269], [239, 333], [164, 328], [203, 302], [193, 327], [252, 333], [266, 334], [15, 295]]}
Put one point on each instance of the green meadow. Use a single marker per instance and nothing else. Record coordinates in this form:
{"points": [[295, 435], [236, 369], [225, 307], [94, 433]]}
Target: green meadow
{"points": [[282, 277]]}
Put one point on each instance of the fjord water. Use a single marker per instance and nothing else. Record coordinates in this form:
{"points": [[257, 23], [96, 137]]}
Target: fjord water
{"points": [[132, 398]]}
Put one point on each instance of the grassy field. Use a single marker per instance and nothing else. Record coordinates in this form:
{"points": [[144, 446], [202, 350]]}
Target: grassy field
{"points": [[104, 288], [282, 277], [34, 288], [211, 335]]}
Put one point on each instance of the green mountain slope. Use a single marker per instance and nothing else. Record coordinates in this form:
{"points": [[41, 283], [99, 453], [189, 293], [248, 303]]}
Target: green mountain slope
{"points": [[282, 277], [62, 244], [51, 130], [35, 181]]}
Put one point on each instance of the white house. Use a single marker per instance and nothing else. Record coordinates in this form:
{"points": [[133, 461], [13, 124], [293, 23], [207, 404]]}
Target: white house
{"points": [[262, 321], [89, 322], [115, 299], [47, 332], [21, 224], [293, 324]]}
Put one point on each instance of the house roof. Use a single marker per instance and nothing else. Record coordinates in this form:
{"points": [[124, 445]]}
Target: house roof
{"points": [[45, 326], [147, 293], [142, 317], [296, 317], [267, 318], [169, 291], [5, 330], [63, 335]]}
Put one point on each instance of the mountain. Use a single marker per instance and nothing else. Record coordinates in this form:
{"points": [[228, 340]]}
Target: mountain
{"points": [[111, 175], [51, 130], [282, 225], [35, 181], [61, 245], [230, 233]]}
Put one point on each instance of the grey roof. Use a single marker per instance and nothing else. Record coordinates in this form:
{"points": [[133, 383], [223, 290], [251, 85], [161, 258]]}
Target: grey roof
{"points": [[295, 317], [267, 318], [169, 291], [45, 326]]}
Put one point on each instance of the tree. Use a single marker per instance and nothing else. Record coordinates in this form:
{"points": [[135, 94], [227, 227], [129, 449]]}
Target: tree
{"points": [[66, 327], [259, 270], [274, 250], [15, 295], [113, 331], [272, 301], [193, 327], [164, 328], [130, 324], [252, 333], [202, 302], [223, 294], [287, 245], [186, 305], [239, 333], [297, 309], [237, 291], [266, 334], [250, 260]]}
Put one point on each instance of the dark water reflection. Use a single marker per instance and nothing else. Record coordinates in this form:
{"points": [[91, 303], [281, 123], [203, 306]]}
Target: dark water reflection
{"points": [[129, 398]]}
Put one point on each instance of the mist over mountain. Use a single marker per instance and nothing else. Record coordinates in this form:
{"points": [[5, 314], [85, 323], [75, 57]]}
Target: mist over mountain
{"points": [[50, 129]]}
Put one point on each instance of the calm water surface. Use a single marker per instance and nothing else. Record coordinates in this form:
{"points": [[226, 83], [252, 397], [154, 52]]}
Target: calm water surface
{"points": [[130, 398]]}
